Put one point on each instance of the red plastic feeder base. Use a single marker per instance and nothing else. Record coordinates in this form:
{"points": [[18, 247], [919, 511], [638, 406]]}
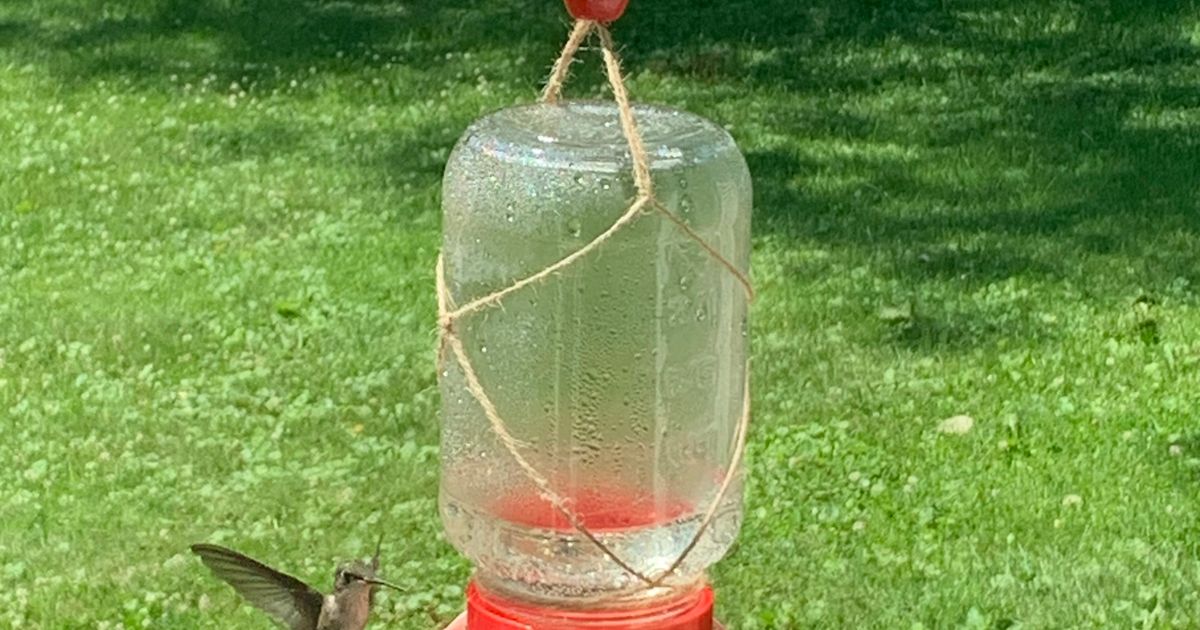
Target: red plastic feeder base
{"points": [[485, 613]]}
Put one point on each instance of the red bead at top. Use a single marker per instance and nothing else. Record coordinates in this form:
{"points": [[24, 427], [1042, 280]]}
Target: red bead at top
{"points": [[598, 10]]}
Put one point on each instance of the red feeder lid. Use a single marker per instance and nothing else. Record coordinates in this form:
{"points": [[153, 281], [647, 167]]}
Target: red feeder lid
{"points": [[598, 10], [486, 612]]}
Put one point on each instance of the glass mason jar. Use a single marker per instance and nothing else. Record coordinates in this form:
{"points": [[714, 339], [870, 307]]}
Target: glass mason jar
{"points": [[622, 376]]}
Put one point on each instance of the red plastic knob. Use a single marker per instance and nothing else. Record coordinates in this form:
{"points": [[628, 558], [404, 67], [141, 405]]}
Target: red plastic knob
{"points": [[597, 10]]}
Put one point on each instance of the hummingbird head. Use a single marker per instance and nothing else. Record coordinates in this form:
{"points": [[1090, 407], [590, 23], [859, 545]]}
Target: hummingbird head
{"points": [[353, 573], [361, 573]]}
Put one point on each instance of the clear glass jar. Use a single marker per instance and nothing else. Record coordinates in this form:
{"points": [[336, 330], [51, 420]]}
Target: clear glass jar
{"points": [[623, 376]]}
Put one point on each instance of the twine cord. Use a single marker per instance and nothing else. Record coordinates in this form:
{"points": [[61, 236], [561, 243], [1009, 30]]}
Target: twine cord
{"points": [[562, 67], [742, 278], [515, 446], [637, 147], [495, 298], [731, 473], [449, 313], [445, 303]]}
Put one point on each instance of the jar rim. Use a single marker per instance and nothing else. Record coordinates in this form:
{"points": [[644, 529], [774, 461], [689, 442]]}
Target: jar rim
{"points": [[586, 135]]}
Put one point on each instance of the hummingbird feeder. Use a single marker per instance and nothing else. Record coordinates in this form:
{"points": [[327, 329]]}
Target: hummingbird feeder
{"points": [[593, 296]]}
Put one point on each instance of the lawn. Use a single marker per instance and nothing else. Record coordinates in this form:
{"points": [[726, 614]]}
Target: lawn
{"points": [[218, 224]]}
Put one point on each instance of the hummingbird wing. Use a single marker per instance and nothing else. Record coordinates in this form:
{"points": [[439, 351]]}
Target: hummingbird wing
{"points": [[282, 596]]}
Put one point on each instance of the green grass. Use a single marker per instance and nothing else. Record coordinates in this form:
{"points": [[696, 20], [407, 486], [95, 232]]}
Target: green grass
{"points": [[218, 221]]}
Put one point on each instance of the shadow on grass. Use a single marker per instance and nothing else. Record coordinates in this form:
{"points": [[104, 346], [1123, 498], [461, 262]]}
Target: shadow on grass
{"points": [[1031, 139], [1099, 166], [255, 38]]}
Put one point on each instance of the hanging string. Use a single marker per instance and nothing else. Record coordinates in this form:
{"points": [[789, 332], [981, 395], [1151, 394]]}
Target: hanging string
{"points": [[562, 67], [449, 313], [637, 148]]}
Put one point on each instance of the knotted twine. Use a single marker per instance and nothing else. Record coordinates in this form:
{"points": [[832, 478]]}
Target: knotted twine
{"points": [[645, 203]]}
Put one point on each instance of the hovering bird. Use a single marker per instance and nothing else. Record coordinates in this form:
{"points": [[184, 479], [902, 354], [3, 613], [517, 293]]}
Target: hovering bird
{"points": [[290, 601]]}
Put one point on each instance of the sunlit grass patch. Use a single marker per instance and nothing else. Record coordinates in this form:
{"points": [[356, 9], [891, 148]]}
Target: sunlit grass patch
{"points": [[218, 222]]}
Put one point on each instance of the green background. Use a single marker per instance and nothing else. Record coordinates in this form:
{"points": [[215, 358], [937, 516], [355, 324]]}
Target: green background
{"points": [[218, 223]]}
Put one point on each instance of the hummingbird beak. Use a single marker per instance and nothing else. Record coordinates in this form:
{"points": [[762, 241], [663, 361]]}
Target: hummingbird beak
{"points": [[379, 582]]}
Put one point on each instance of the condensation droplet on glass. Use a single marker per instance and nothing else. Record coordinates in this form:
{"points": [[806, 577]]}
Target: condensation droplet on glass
{"points": [[702, 313], [665, 151]]}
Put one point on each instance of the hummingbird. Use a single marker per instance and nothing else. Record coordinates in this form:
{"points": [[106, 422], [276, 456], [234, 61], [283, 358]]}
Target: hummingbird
{"points": [[292, 602]]}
